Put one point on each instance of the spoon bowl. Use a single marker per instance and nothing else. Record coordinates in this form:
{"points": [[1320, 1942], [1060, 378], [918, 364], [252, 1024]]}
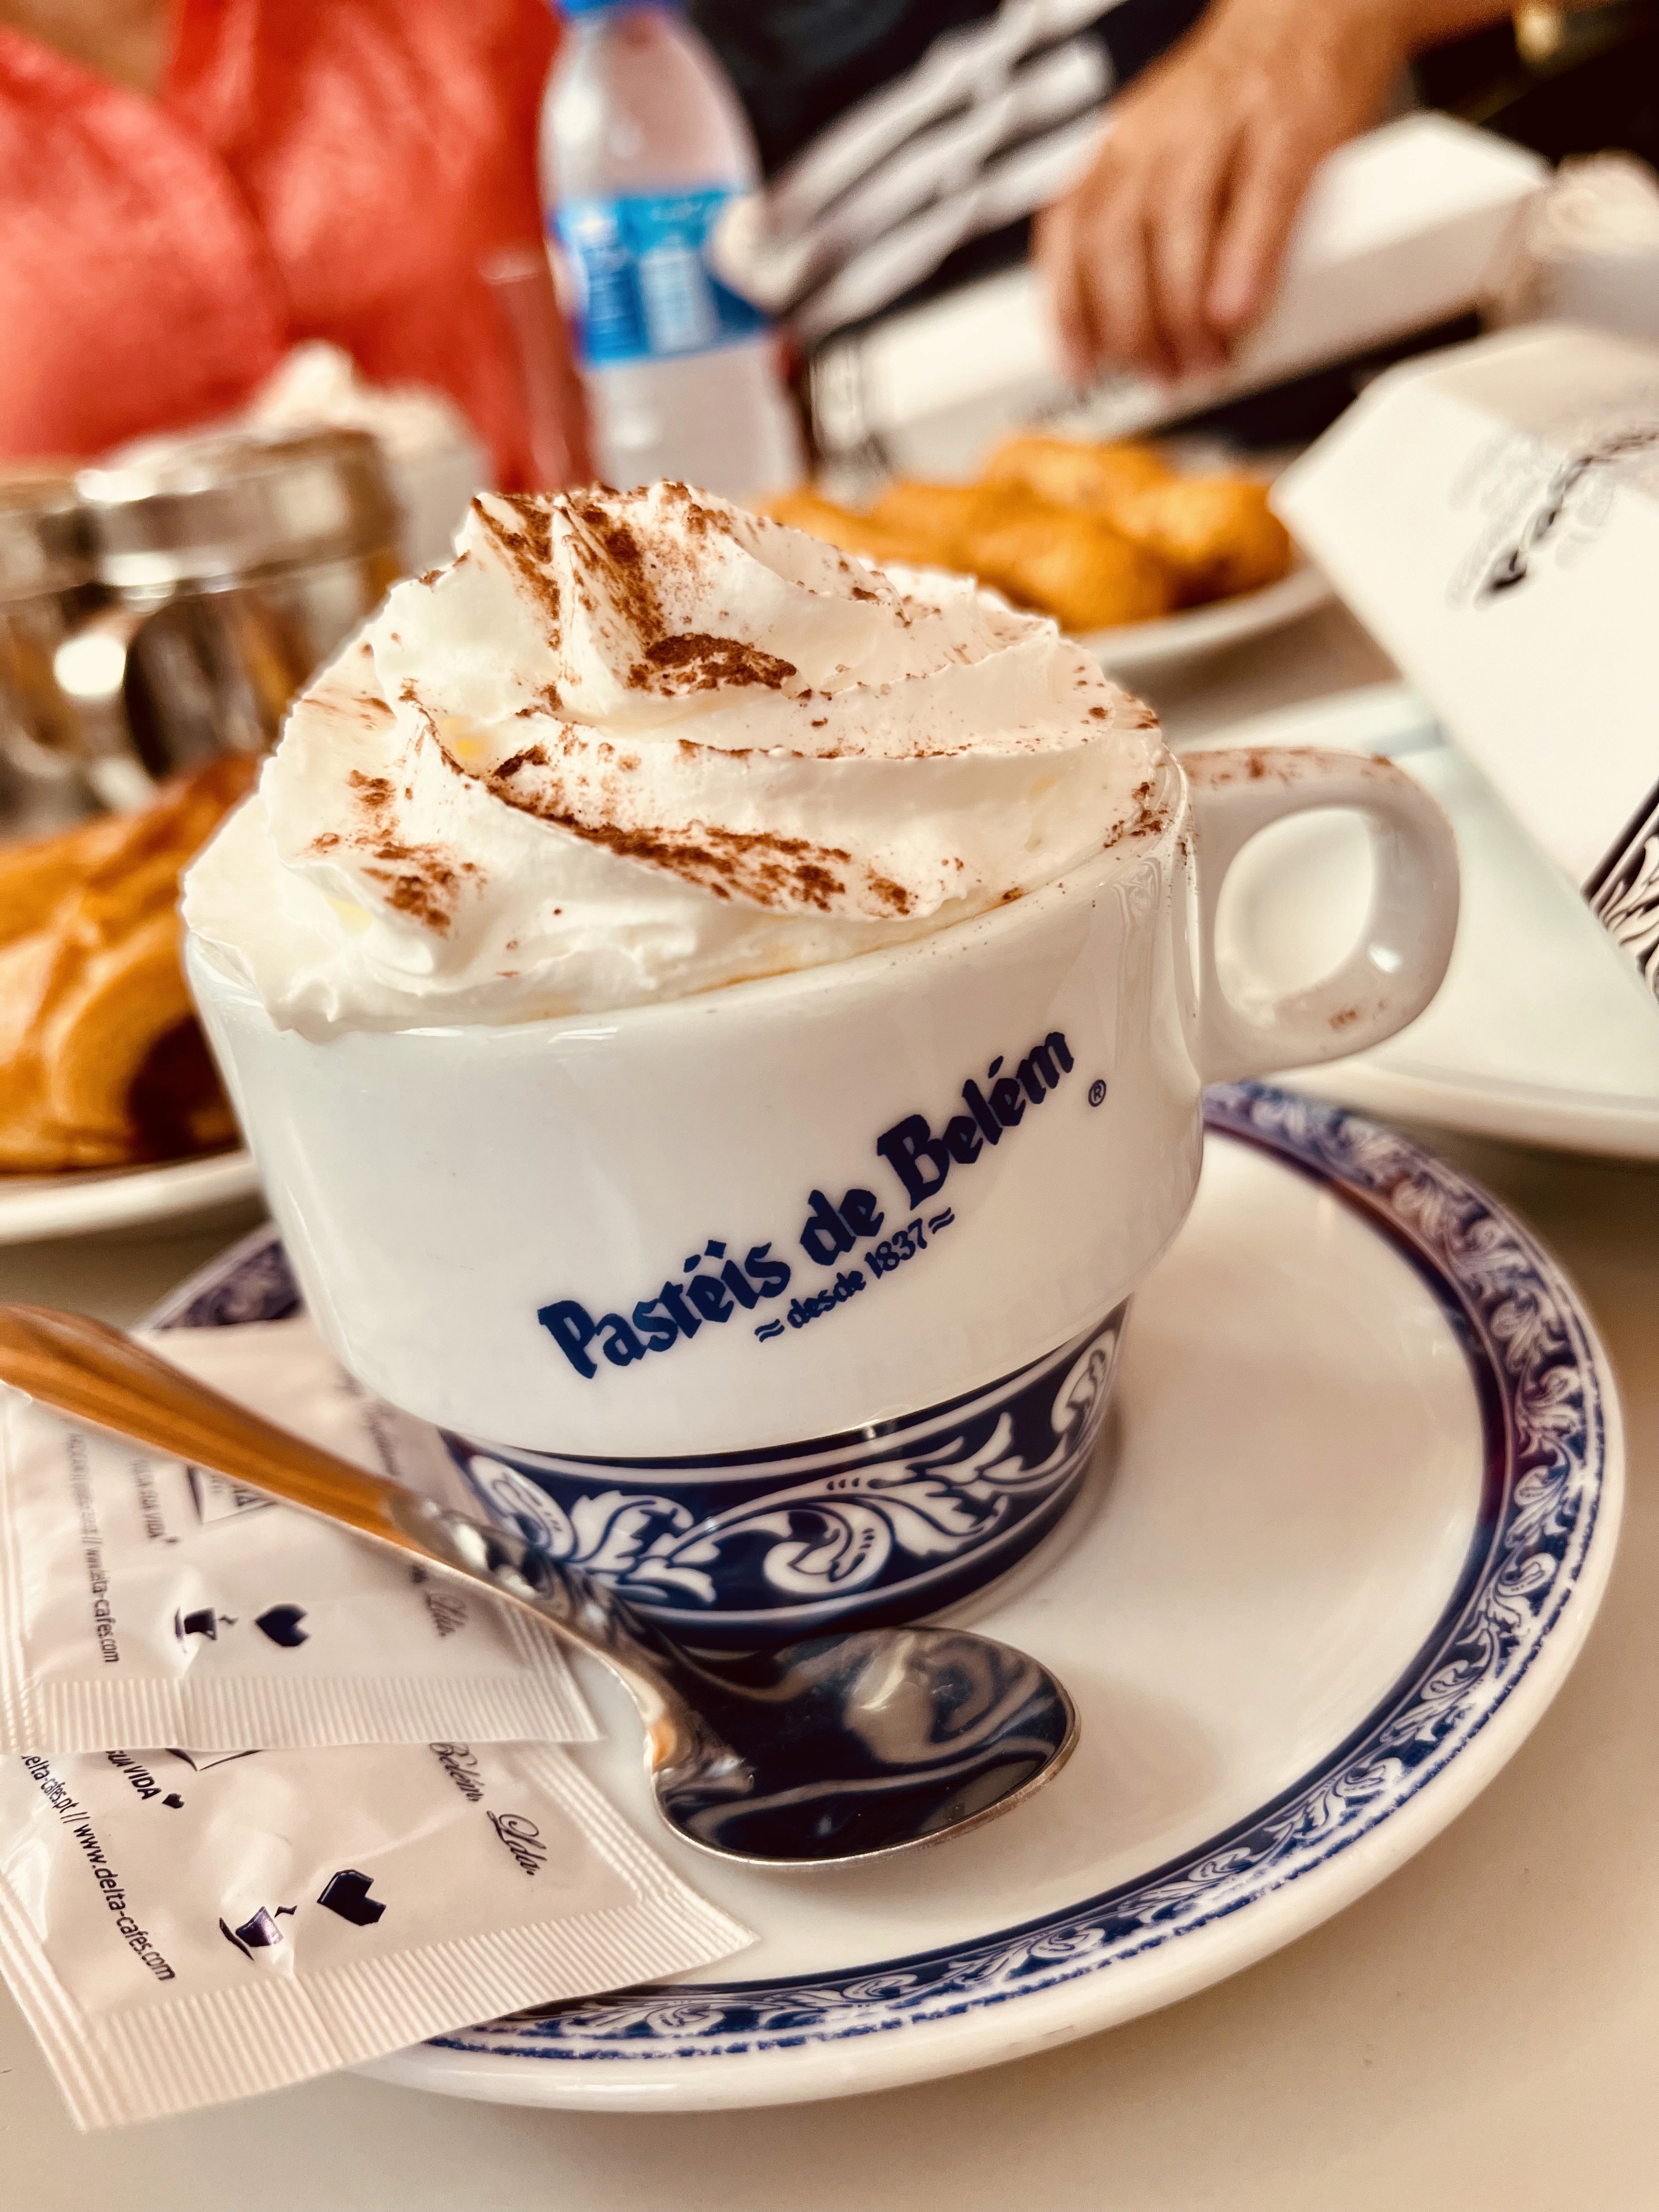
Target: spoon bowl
{"points": [[872, 1743], [833, 1750]]}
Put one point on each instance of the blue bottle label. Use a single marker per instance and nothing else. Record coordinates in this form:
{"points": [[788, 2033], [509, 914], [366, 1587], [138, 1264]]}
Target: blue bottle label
{"points": [[645, 290]]}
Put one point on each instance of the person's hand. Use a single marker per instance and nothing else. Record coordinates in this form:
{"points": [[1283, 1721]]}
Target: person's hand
{"points": [[1169, 246]]}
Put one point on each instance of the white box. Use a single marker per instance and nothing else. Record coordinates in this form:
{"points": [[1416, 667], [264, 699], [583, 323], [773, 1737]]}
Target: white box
{"points": [[1397, 233], [1491, 515]]}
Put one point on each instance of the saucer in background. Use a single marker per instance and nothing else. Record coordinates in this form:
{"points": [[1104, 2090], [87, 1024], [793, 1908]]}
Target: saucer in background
{"points": [[78, 1202], [1132, 651], [1543, 1032]]}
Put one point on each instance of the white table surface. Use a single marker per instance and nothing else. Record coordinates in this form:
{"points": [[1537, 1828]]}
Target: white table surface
{"points": [[1481, 2034]]}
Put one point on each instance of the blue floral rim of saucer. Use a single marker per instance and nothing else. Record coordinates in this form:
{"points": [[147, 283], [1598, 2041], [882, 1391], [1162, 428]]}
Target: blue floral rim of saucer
{"points": [[1546, 1429]]}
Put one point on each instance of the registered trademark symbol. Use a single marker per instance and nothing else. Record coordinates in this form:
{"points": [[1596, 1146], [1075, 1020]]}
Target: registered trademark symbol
{"points": [[1097, 1092]]}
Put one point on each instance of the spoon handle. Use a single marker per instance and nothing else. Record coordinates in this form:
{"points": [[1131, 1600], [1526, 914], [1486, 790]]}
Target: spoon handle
{"points": [[97, 1374], [83, 1368]]}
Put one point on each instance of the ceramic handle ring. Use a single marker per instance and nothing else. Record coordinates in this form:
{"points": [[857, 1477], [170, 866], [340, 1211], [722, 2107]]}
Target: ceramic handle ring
{"points": [[1397, 965]]}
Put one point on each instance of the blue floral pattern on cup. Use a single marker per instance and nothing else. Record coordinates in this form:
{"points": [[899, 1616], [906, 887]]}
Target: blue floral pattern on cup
{"points": [[872, 1525]]}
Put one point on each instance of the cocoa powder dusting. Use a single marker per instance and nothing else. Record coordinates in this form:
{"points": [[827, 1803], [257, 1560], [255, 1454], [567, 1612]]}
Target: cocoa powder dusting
{"points": [[355, 710], [529, 547], [532, 756], [535, 523], [1148, 820], [410, 893], [693, 660], [749, 864], [700, 521], [421, 881], [611, 544]]}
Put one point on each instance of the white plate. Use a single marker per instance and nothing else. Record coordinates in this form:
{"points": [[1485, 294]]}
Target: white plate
{"points": [[1543, 1032], [1134, 648], [1360, 1506], [83, 1200]]}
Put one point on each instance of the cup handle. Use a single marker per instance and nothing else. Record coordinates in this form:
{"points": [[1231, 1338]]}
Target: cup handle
{"points": [[1397, 966]]}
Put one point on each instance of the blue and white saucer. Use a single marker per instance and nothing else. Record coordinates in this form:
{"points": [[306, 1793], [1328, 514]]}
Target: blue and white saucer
{"points": [[1358, 1503]]}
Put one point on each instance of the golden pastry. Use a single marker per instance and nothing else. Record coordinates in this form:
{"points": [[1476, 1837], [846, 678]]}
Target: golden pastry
{"points": [[949, 519], [101, 1063], [1215, 534], [840, 527], [1074, 566], [1073, 474], [1094, 535]]}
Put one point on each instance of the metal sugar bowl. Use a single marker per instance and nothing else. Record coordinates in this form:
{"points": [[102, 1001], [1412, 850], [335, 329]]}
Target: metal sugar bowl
{"points": [[233, 564], [47, 592]]}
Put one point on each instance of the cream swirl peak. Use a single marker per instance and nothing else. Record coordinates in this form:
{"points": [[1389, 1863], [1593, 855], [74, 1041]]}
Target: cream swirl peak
{"points": [[633, 745]]}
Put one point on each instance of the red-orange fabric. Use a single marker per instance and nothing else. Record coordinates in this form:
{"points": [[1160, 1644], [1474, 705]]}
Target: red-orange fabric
{"points": [[311, 168], [135, 290]]}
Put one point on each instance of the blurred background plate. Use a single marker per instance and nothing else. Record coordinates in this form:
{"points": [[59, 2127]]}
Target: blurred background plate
{"points": [[74, 1205], [1543, 1032], [1137, 647]]}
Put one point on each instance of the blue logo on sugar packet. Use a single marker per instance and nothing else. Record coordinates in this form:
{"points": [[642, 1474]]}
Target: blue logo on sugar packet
{"points": [[721, 1281]]}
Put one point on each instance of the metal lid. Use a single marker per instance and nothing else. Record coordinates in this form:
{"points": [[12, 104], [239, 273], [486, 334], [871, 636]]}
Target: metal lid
{"points": [[44, 543], [221, 504]]}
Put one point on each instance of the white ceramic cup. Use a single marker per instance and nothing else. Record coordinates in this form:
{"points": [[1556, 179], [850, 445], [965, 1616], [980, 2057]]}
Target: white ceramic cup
{"points": [[725, 1228]]}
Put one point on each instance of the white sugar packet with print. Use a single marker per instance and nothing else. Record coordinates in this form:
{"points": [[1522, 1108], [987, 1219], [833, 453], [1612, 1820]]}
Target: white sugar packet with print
{"points": [[143, 1600], [181, 1928]]}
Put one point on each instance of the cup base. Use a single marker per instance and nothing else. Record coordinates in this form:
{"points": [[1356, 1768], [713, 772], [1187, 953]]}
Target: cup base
{"points": [[864, 1529]]}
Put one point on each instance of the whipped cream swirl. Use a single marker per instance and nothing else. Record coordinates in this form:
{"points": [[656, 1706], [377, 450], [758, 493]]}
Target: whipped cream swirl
{"points": [[633, 745]]}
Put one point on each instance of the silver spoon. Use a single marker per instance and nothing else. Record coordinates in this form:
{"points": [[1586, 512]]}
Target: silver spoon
{"points": [[838, 1748]]}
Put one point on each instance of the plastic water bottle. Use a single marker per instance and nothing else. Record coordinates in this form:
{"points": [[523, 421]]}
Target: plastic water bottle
{"points": [[643, 145]]}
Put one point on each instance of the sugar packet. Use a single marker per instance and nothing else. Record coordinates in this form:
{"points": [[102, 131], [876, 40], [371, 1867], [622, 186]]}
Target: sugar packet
{"points": [[181, 1928], [143, 1600]]}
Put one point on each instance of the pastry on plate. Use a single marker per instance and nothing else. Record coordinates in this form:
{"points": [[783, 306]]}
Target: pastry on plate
{"points": [[1216, 535], [1074, 566], [102, 1063], [1094, 535], [1073, 474], [843, 528], [949, 520]]}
